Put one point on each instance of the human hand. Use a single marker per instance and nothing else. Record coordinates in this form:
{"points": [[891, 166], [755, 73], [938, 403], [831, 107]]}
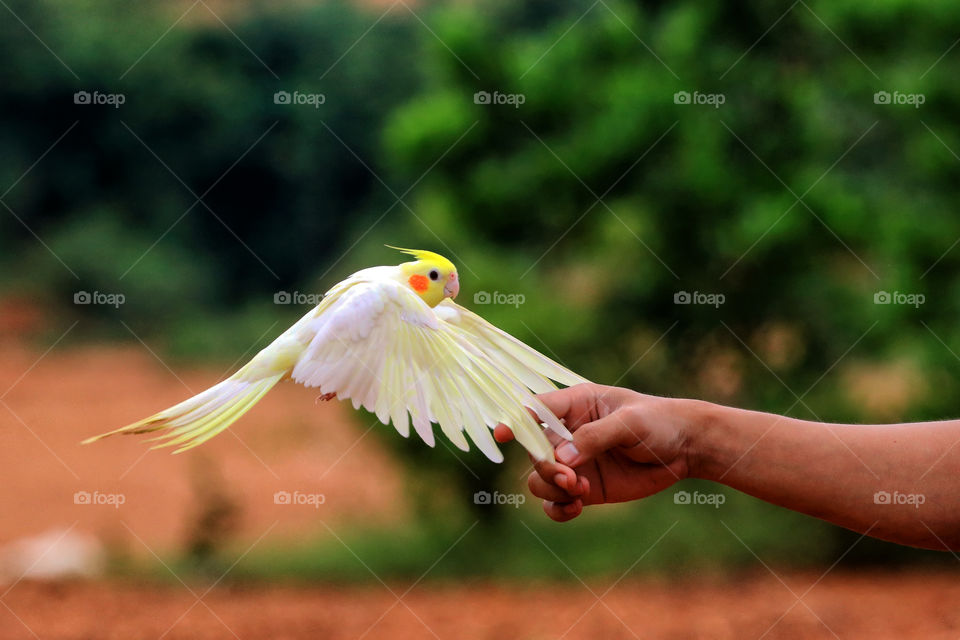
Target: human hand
{"points": [[626, 446]]}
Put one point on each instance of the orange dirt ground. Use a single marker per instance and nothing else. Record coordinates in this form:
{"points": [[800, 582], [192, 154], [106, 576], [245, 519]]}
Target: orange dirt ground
{"points": [[840, 606], [286, 443]]}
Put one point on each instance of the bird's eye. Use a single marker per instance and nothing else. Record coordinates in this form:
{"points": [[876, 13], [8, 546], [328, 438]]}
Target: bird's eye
{"points": [[434, 274]]}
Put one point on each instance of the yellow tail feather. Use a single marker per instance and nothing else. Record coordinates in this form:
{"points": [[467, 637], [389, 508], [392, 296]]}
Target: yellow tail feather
{"points": [[197, 419]]}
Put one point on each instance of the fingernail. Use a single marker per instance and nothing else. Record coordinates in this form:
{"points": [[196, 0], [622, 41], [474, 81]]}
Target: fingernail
{"points": [[567, 453], [560, 480]]}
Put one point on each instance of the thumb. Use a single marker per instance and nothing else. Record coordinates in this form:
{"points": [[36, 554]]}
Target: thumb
{"points": [[594, 438]]}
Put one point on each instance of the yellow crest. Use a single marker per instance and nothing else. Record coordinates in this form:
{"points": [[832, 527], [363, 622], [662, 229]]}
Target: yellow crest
{"points": [[426, 256]]}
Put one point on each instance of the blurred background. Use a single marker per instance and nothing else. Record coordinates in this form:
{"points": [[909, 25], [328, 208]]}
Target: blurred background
{"points": [[749, 204]]}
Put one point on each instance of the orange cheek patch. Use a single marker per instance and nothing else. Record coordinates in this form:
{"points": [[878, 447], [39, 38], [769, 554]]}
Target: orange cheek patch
{"points": [[419, 283]]}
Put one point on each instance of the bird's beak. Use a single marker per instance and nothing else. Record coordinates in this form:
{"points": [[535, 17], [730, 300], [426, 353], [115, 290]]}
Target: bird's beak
{"points": [[452, 288]]}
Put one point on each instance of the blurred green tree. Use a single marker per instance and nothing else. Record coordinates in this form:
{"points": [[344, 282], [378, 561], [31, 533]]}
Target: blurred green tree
{"points": [[657, 150], [201, 192]]}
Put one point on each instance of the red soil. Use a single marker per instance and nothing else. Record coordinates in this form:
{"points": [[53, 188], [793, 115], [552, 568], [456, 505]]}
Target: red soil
{"points": [[840, 606], [48, 404]]}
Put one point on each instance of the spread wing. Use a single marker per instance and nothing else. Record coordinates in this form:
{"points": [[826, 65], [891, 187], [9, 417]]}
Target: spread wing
{"points": [[380, 345]]}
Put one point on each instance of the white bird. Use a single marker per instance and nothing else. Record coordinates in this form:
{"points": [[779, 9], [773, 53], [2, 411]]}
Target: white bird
{"points": [[392, 340]]}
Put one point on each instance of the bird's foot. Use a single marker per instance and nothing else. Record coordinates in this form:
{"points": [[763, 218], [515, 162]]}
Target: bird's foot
{"points": [[327, 396]]}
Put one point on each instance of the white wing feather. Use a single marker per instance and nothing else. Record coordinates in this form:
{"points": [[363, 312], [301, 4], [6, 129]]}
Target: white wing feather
{"points": [[374, 341]]}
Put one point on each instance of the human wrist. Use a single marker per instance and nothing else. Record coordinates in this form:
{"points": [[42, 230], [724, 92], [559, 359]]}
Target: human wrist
{"points": [[703, 426]]}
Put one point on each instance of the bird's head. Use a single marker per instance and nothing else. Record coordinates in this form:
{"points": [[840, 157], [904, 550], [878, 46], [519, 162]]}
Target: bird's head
{"points": [[431, 276]]}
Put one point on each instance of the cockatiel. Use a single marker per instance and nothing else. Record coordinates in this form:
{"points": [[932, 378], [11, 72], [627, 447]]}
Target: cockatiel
{"points": [[393, 340]]}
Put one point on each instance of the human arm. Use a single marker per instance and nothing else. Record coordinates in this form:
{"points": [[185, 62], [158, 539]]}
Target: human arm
{"points": [[629, 445]]}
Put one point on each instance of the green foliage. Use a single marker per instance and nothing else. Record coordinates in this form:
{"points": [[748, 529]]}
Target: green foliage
{"points": [[116, 198], [656, 536], [687, 214], [697, 198]]}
